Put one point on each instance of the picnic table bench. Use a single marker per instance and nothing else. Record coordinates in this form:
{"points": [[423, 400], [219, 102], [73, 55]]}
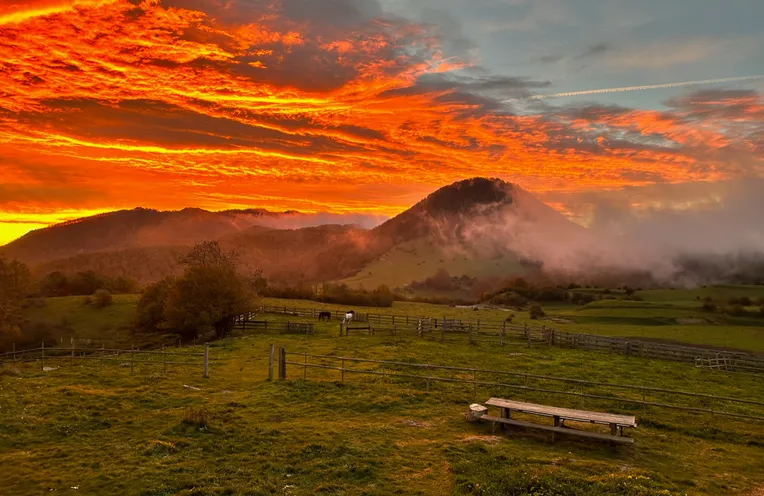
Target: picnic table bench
{"points": [[560, 415]]}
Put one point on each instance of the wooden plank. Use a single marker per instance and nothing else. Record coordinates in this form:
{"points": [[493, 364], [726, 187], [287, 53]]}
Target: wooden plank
{"points": [[564, 413], [561, 430]]}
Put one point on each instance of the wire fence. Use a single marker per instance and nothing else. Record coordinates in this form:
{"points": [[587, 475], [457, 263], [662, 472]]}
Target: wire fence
{"points": [[526, 385], [127, 358]]}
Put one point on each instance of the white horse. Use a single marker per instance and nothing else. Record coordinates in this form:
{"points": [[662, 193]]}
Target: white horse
{"points": [[348, 317]]}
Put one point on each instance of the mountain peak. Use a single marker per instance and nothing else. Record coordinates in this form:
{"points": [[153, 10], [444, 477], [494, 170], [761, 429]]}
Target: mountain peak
{"points": [[463, 196], [449, 206]]}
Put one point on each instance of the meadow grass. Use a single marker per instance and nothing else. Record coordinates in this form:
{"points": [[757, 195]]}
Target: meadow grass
{"points": [[105, 431], [71, 316]]}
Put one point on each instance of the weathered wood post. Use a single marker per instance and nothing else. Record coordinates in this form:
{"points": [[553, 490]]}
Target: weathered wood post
{"points": [[282, 363], [270, 362], [206, 364], [14, 352], [132, 359], [42, 355], [471, 341], [501, 333], [628, 349]]}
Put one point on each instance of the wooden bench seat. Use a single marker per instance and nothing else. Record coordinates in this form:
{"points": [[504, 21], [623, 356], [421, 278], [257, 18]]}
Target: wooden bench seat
{"points": [[561, 430]]}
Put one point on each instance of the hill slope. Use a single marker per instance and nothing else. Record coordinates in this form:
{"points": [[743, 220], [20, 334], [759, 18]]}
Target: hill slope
{"points": [[477, 227]]}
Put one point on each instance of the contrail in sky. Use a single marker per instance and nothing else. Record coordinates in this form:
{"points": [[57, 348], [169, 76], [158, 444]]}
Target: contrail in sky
{"points": [[644, 87]]}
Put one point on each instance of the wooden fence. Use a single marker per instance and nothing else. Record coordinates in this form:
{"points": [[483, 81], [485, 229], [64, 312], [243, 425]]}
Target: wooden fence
{"points": [[521, 383], [500, 332], [103, 355]]}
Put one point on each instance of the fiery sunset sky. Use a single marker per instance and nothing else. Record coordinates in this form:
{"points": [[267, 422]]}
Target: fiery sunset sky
{"points": [[365, 106]]}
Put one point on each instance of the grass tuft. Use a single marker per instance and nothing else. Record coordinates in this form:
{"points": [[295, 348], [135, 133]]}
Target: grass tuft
{"points": [[197, 418]]}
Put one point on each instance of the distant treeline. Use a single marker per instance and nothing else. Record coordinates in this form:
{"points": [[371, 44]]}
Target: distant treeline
{"points": [[82, 283], [340, 294]]}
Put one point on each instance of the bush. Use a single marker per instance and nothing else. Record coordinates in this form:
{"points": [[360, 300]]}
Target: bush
{"points": [[708, 306], [536, 311], [736, 310], [102, 298]]}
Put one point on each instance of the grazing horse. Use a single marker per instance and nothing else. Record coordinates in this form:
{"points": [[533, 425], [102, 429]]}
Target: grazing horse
{"points": [[324, 315], [348, 316]]}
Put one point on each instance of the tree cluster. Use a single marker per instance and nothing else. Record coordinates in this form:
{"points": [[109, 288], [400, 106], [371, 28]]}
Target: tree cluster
{"points": [[209, 295], [341, 294], [83, 283], [15, 283]]}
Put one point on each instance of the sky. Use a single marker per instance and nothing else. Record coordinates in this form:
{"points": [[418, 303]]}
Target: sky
{"points": [[366, 106]]}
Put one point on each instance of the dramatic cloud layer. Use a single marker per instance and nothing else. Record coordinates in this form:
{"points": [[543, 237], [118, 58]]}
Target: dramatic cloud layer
{"points": [[312, 105]]}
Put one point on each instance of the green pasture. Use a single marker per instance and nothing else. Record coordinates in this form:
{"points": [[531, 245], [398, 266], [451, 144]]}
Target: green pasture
{"points": [[83, 428]]}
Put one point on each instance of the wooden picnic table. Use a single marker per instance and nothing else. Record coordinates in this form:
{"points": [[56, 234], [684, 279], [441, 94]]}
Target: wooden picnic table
{"points": [[560, 415]]}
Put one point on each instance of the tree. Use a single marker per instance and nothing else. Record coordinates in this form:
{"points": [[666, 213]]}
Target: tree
{"points": [[207, 297], [536, 312], [208, 254], [55, 284], [15, 281], [102, 298], [151, 305]]}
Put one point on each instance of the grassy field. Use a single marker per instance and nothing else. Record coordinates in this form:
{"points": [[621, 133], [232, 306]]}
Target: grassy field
{"points": [[654, 318], [105, 431], [70, 316]]}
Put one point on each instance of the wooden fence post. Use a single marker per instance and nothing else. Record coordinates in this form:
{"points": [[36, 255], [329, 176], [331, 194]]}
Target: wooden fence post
{"points": [[282, 363], [14, 352], [501, 333], [206, 364], [270, 362], [628, 349], [42, 355], [132, 359]]}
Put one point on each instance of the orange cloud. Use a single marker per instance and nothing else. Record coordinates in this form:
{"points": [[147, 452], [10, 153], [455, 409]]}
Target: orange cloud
{"points": [[166, 104]]}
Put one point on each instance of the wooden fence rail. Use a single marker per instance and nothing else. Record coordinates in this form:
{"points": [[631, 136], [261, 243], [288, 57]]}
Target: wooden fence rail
{"points": [[500, 332], [746, 409]]}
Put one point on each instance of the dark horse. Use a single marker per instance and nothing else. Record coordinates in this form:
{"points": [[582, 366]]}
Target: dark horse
{"points": [[324, 315]]}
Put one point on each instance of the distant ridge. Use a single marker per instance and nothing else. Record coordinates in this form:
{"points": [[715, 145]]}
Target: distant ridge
{"points": [[145, 242]]}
